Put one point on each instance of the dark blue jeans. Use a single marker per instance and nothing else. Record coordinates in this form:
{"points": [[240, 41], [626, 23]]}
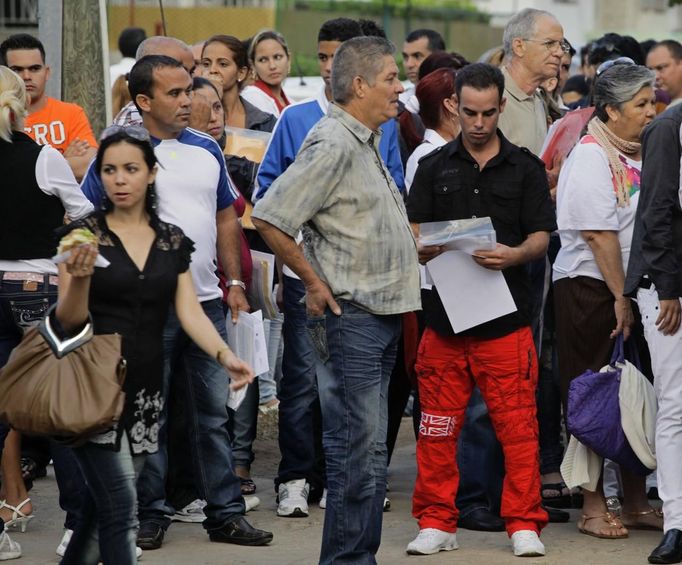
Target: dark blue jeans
{"points": [[480, 461], [22, 306], [298, 392], [107, 526], [356, 353], [206, 386]]}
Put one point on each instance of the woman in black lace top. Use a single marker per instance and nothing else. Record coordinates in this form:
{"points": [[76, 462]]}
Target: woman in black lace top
{"points": [[149, 271]]}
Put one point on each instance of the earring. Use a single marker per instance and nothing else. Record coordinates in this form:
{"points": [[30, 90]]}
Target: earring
{"points": [[105, 204]]}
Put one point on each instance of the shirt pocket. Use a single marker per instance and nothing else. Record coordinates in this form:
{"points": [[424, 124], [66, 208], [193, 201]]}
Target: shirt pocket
{"points": [[505, 202], [447, 197]]}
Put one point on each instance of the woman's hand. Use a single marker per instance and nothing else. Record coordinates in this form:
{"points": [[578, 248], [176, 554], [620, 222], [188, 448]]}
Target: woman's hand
{"points": [[624, 317], [81, 263], [240, 373]]}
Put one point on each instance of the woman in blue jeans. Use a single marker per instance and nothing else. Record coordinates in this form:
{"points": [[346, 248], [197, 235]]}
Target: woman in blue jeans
{"points": [[38, 190], [149, 271]]}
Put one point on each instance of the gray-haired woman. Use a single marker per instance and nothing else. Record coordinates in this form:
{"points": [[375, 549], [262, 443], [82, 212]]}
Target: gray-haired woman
{"points": [[597, 198]]}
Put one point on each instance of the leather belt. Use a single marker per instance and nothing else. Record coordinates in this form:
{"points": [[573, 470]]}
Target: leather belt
{"points": [[30, 277]]}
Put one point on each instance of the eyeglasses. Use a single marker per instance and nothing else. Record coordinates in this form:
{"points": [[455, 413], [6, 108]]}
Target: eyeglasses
{"points": [[552, 44], [606, 65], [136, 132]]}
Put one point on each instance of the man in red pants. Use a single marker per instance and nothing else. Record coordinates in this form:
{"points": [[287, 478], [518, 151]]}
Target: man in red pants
{"points": [[481, 174]]}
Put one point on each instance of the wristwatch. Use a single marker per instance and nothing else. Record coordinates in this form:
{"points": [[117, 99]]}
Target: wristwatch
{"points": [[236, 282]]}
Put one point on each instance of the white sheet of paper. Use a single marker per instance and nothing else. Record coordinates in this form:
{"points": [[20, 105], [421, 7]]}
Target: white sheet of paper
{"points": [[471, 294], [247, 339]]}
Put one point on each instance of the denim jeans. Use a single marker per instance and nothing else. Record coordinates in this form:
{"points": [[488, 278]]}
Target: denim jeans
{"points": [[21, 308], [243, 427], [356, 353], [206, 386], [107, 526], [267, 382], [480, 460], [298, 392]]}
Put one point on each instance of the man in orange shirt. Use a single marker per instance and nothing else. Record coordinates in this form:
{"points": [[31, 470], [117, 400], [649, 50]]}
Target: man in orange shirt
{"points": [[60, 124]]}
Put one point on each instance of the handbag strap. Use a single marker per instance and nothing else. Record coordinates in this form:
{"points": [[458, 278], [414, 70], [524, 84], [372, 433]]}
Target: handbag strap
{"points": [[60, 347], [618, 355]]}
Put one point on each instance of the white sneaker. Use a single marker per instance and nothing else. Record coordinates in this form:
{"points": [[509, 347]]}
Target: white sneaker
{"points": [[526, 543], [430, 541], [193, 513], [66, 539], [9, 549], [250, 502], [293, 499], [387, 504], [323, 501]]}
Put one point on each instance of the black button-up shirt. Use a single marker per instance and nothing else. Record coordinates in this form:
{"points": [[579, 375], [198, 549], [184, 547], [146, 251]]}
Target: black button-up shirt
{"points": [[512, 189]]}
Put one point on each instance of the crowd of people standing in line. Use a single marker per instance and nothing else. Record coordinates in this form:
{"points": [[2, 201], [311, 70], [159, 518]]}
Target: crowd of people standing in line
{"points": [[577, 173]]}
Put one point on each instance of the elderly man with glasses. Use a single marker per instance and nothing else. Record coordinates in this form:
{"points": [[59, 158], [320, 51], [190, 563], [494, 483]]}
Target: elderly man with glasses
{"points": [[533, 47]]}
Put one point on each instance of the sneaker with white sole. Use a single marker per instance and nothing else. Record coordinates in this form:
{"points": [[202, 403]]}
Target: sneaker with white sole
{"points": [[66, 539], [323, 501], [9, 549], [293, 499], [193, 513], [430, 541], [526, 543]]}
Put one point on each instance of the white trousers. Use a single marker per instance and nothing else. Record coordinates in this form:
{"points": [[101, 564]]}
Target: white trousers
{"points": [[666, 361]]}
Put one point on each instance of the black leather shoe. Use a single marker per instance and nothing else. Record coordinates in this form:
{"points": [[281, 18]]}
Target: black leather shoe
{"points": [[150, 536], [481, 520], [556, 516], [669, 550], [240, 532]]}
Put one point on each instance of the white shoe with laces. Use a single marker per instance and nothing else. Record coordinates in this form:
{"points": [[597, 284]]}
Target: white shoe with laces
{"points": [[66, 539], [430, 541], [526, 543], [193, 513], [9, 549], [293, 499]]}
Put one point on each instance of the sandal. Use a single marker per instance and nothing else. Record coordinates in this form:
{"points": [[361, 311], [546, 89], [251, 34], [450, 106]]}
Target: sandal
{"points": [[18, 517], [30, 470], [562, 500], [607, 517], [248, 487], [638, 524]]}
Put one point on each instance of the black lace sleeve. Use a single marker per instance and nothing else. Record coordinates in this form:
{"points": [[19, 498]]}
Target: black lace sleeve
{"points": [[174, 239]]}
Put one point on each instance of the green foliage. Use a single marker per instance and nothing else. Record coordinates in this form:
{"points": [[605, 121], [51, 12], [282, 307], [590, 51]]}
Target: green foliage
{"points": [[447, 9]]}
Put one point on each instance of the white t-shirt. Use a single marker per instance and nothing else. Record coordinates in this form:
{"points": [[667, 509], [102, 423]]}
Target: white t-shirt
{"points": [[55, 178], [432, 140], [586, 200], [260, 100]]}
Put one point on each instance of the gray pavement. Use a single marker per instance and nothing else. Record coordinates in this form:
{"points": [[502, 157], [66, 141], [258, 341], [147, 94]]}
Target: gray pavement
{"points": [[297, 539]]}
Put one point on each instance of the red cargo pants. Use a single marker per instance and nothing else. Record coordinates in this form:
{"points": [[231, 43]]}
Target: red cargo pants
{"points": [[505, 371]]}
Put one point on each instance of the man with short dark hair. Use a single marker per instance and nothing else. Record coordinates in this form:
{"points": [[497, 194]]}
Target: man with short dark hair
{"points": [[358, 281], [419, 44], [481, 174], [195, 193], [665, 59], [62, 125], [128, 42]]}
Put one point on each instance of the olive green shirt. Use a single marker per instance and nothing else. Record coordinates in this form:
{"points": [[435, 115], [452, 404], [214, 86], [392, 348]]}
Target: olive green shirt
{"points": [[356, 233], [524, 120]]}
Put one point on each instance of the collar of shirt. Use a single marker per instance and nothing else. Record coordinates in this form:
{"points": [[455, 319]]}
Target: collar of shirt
{"points": [[456, 147], [512, 88], [433, 137], [322, 99], [353, 125]]}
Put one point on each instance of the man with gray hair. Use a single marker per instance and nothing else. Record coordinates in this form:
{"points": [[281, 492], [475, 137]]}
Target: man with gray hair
{"points": [[358, 281], [533, 46]]}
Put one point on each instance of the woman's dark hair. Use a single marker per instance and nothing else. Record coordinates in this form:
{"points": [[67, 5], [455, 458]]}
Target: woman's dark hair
{"points": [[201, 82], [431, 91], [128, 135], [239, 50], [441, 60]]}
